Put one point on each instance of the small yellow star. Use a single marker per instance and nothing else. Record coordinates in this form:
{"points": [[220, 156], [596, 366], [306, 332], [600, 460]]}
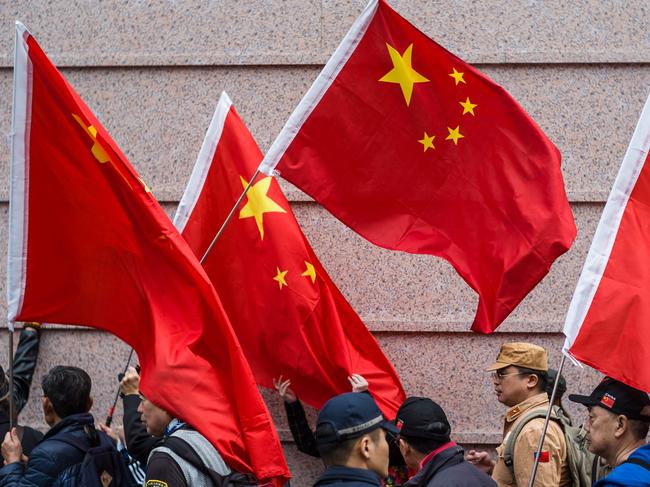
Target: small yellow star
{"points": [[310, 272], [454, 134], [279, 277], [458, 77], [468, 106], [402, 72], [427, 142]]}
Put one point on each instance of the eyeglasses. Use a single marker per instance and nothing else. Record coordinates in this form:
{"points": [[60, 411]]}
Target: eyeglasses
{"points": [[498, 376]]}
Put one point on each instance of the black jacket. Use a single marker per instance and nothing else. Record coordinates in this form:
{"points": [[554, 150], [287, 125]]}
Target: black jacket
{"points": [[348, 477], [51, 456], [449, 469], [24, 366], [139, 443]]}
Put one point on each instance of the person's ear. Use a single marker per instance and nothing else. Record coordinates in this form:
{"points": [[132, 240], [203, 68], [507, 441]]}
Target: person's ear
{"points": [[622, 425], [532, 382], [48, 408], [364, 446], [89, 404]]}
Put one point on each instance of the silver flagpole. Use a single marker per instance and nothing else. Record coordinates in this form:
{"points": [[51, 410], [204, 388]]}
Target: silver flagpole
{"points": [[229, 217], [12, 404], [546, 420]]}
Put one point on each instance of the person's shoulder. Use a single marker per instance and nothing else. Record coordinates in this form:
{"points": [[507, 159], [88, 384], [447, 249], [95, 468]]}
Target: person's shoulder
{"points": [[463, 474]]}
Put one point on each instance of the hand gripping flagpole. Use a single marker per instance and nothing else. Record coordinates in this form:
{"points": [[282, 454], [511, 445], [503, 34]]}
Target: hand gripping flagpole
{"points": [[12, 404], [546, 421], [111, 411]]}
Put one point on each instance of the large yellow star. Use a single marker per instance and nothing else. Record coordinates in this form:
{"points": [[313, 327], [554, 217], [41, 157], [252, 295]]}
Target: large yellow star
{"points": [[458, 77], [468, 106], [427, 141], [259, 203], [454, 134], [97, 149], [279, 277], [310, 272], [402, 72]]}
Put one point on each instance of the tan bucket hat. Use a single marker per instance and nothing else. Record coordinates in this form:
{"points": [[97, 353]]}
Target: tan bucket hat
{"points": [[522, 355]]}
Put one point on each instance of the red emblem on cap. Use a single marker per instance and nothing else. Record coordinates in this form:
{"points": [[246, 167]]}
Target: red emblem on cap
{"points": [[399, 424], [608, 400]]}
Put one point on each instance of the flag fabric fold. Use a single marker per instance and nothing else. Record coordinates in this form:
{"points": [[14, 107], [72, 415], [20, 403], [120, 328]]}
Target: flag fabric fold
{"points": [[417, 151], [289, 316], [89, 245], [608, 322]]}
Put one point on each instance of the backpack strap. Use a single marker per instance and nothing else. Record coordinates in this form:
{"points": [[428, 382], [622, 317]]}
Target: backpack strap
{"points": [[508, 451], [639, 462], [185, 451]]}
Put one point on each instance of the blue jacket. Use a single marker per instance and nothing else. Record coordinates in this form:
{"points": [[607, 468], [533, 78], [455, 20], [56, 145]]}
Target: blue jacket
{"points": [[629, 474], [348, 477], [50, 457]]}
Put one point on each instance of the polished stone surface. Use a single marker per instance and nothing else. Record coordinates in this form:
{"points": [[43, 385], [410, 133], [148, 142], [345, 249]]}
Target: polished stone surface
{"points": [[153, 71], [159, 116], [307, 31]]}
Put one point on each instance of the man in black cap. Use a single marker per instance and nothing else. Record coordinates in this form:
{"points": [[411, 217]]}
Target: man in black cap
{"points": [[351, 438], [617, 426], [425, 443]]}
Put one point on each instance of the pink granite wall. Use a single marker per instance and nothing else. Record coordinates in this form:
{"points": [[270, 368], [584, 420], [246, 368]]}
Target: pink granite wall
{"points": [[153, 71]]}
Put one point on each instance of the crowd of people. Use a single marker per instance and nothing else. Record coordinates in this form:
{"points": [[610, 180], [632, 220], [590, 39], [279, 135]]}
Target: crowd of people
{"points": [[358, 446]]}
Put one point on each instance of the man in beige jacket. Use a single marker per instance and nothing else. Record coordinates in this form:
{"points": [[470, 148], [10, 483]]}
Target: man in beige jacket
{"points": [[519, 376]]}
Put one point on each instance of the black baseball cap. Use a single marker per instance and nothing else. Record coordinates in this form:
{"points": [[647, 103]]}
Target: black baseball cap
{"points": [[421, 417], [618, 398], [350, 415]]}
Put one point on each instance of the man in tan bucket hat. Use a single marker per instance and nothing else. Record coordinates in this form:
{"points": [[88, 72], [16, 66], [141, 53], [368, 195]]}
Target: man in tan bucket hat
{"points": [[519, 376]]}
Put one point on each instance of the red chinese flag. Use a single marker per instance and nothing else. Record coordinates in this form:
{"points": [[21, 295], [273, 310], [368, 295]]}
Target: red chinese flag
{"points": [[89, 245], [288, 315], [608, 322], [417, 151]]}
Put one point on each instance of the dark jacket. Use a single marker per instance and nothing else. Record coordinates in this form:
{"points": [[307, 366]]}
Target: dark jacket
{"points": [[139, 443], [50, 457], [348, 477], [300, 430], [24, 365], [448, 468]]}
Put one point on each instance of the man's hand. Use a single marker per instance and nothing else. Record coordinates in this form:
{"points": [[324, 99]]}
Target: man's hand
{"points": [[481, 460], [12, 450], [130, 383], [284, 391], [32, 325], [358, 383], [109, 431]]}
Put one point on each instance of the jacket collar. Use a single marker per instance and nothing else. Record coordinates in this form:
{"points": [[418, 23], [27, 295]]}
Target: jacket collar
{"points": [[430, 456], [347, 474], [74, 420], [538, 400], [452, 455]]}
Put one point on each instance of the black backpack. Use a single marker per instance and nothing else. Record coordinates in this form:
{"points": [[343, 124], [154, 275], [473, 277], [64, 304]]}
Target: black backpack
{"points": [[187, 453], [102, 464]]}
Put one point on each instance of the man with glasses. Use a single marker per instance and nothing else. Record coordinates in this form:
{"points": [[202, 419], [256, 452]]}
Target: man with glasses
{"points": [[519, 376]]}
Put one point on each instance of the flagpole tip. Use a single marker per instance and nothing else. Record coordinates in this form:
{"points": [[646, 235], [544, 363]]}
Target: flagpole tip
{"points": [[20, 27], [224, 98]]}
